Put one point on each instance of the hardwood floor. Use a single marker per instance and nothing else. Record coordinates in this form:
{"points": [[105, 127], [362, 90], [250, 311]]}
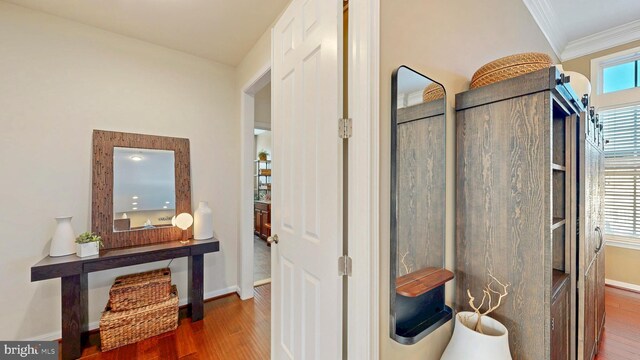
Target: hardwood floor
{"points": [[621, 337], [231, 329], [235, 329]]}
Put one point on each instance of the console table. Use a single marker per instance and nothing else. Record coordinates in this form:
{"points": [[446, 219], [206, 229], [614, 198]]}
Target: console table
{"points": [[73, 271]]}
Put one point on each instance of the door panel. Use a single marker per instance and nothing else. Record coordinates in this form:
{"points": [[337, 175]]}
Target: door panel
{"points": [[590, 310], [307, 188], [560, 326]]}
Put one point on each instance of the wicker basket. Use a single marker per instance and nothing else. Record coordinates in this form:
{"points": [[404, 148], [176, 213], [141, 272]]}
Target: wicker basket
{"points": [[138, 290], [509, 67], [432, 92], [119, 328]]}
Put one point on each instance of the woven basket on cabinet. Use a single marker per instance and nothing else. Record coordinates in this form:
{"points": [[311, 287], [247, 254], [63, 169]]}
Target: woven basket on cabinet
{"points": [[509, 67], [432, 92]]}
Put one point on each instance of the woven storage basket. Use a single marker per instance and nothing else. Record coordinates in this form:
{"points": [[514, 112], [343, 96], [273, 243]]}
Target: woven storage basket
{"points": [[509, 67], [119, 328], [137, 290], [432, 92]]}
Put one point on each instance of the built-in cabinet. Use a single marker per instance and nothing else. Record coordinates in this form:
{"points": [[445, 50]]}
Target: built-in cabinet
{"points": [[262, 219], [522, 192], [590, 160]]}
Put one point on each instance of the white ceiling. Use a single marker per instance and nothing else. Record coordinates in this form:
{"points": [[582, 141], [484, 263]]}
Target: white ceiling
{"points": [[576, 28], [220, 30]]}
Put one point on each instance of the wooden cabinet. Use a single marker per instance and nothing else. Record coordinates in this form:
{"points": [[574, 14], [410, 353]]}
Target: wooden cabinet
{"points": [[590, 196], [560, 326], [262, 219], [520, 183]]}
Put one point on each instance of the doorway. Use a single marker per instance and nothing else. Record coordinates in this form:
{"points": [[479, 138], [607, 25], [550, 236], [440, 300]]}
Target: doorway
{"points": [[262, 187], [255, 254]]}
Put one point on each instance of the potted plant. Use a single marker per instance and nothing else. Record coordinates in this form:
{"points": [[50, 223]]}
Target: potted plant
{"points": [[262, 155], [88, 244], [476, 335]]}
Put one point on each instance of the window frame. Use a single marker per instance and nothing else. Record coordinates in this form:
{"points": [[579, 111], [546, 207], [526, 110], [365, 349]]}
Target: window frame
{"points": [[617, 99]]}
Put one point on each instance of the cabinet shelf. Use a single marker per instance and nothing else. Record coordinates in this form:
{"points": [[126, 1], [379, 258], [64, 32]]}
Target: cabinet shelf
{"points": [[422, 281], [557, 222], [558, 279], [558, 167]]}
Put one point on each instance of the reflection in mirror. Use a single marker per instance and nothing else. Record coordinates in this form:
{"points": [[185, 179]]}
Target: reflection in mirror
{"points": [[418, 161], [420, 173], [144, 193]]}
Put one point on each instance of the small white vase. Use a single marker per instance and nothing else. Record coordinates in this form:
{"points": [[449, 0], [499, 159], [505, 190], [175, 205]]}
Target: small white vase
{"points": [[63, 241], [202, 222], [88, 249], [467, 343]]}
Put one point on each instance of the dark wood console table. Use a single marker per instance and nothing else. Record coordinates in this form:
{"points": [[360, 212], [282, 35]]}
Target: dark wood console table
{"points": [[74, 270]]}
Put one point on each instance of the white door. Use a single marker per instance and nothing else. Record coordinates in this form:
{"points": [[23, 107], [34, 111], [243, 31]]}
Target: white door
{"points": [[306, 310]]}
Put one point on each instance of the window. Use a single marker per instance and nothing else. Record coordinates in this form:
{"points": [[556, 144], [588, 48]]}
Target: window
{"points": [[620, 77], [622, 171], [616, 96]]}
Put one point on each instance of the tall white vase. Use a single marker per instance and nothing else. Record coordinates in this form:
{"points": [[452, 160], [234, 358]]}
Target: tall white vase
{"points": [[64, 239], [203, 222], [467, 343]]}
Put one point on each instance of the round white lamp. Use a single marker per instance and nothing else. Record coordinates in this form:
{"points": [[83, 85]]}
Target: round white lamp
{"points": [[183, 221]]}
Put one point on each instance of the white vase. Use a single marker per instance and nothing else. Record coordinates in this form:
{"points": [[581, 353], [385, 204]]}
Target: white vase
{"points": [[467, 343], [88, 249], [63, 241], [203, 222]]}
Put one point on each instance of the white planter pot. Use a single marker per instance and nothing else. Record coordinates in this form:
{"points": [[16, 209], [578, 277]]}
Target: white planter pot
{"points": [[64, 239], [467, 343], [202, 222], [88, 249]]}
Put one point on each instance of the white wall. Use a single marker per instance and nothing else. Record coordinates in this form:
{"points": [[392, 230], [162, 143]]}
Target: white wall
{"points": [[262, 116], [447, 41], [263, 142], [61, 80]]}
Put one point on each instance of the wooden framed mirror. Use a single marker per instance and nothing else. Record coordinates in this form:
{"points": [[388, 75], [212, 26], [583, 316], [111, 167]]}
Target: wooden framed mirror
{"points": [[140, 182]]}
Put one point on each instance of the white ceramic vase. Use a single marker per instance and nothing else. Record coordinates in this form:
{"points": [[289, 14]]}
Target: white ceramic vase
{"points": [[203, 222], [63, 241], [467, 343]]}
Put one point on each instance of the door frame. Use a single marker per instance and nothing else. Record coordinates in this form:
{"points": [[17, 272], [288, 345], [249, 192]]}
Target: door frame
{"points": [[363, 297], [364, 173], [247, 138]]}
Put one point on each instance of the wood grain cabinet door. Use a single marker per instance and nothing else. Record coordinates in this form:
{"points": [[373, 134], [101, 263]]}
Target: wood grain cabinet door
{"points": [[560, 326], [590, 311]]}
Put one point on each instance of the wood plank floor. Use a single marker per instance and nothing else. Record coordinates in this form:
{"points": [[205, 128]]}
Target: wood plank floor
{"points": [[231, 329], [621, 336], [235, 329]]}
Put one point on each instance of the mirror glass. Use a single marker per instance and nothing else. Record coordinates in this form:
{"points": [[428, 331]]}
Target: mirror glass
{"points": [[144, 191], [419, 157]]}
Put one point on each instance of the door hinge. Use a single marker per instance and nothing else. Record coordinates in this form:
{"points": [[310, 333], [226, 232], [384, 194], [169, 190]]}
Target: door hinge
{"points": [[344, 265], [344, 128]]}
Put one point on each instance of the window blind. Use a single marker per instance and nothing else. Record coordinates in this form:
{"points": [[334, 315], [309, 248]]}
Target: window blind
{"points": [[622, 171]]}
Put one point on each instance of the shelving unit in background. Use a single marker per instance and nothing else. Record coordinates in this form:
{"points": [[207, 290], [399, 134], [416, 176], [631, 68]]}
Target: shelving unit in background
{"points": [[262, 180]]}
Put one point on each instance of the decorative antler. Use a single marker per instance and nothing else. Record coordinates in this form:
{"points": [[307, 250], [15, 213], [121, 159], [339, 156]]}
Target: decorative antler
{"points": [[407, 268], [486, 294]]}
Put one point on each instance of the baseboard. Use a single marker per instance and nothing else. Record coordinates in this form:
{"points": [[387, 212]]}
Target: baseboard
{"points": [[56, 335], [622, 285], [262, 282]]}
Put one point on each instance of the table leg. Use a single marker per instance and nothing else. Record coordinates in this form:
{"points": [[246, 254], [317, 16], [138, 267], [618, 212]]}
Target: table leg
{"points": [[196, 286], [75, 314]]}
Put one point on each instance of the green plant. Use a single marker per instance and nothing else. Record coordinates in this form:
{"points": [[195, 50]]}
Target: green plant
{"points": [[88, 237], [263, 154]]}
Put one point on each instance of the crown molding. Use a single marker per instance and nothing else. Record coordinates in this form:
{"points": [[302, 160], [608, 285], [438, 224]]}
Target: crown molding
{"points": [[547, 21], [603, 40]]}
